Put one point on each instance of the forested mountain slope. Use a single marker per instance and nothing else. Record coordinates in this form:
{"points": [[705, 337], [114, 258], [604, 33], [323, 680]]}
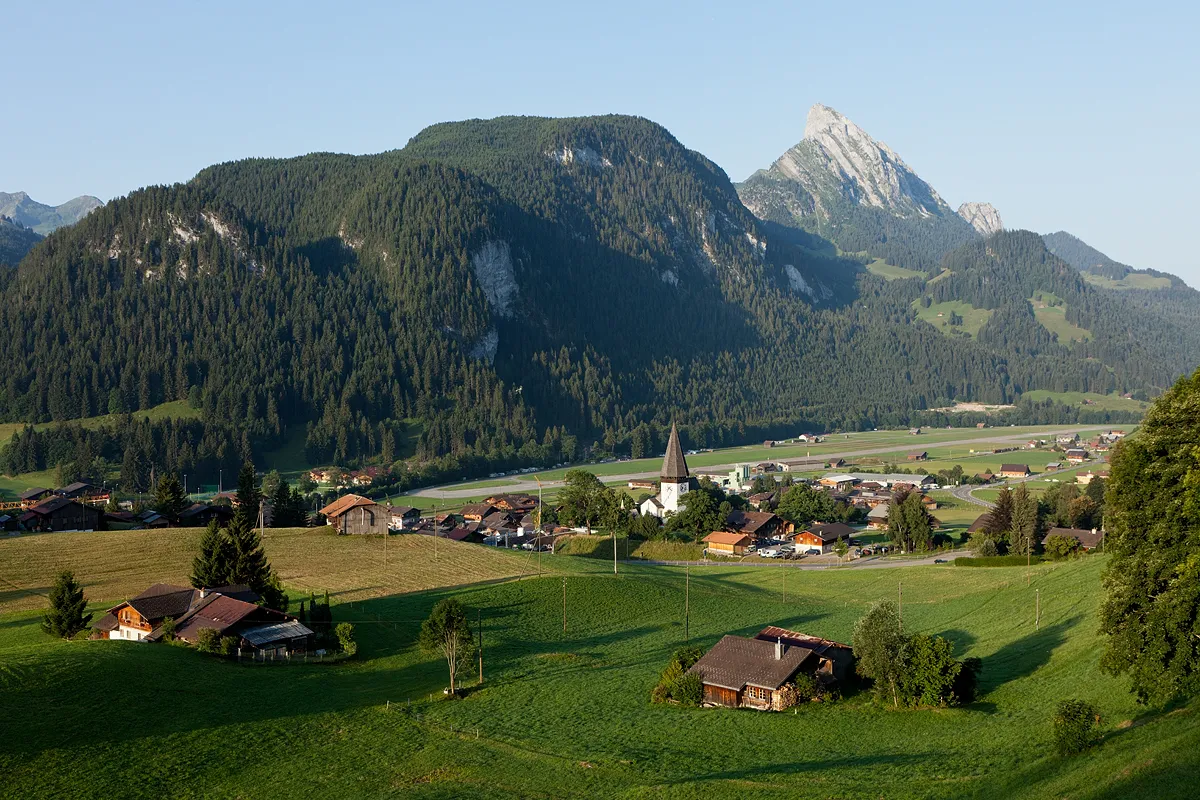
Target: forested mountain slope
{"points": [[503, 291], [15, 241]]}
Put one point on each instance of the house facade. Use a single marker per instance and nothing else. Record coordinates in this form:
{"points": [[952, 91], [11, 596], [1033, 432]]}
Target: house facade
{"points": [[354, 514], [1014, 471], [62, 514], [726, 543], [823, 536]]}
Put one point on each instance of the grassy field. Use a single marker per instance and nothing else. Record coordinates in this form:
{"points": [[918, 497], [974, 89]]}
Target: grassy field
{"points": [[566, 713], [115, 565], [938, 315], [891, 272], [1051, 312], [1101, 402], [1131, 281]]}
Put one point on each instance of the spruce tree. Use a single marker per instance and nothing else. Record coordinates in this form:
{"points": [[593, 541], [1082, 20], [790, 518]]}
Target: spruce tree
{"points": [[1025, 524], [1000, 517], [169, 497], [249, 565], [212, 566], [66, 616], [248, 496]]}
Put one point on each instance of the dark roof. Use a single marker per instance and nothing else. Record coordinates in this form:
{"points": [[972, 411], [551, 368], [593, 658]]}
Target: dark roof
{"points": [[735, 662], [981, 522], [674, 468], [477, 509], [1087, 539], [34, 493], [831, 531], [238, 591], [164, 600], [56, 504], [1014, 468], [275, 632], [214, 611], [75, 488], [106, 623], [404, 511], [499, 519], [749, 521]]}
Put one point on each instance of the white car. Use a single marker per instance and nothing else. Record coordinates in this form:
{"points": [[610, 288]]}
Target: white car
{"points": [[770, 552]]}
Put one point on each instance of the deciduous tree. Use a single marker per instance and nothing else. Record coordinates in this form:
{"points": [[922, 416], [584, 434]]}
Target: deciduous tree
{"points": [[447, 631]]}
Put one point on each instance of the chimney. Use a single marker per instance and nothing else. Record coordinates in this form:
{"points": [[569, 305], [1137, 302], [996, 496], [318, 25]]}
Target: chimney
{"points": [[203, 592], [779, 649]]}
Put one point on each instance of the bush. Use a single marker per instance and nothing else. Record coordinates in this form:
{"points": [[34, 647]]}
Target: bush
{"points": [[675, 683], [1075, 724], [345, 637], [208, 640], [168, 629], [1059, 546], [228, 645], [688, 690]]}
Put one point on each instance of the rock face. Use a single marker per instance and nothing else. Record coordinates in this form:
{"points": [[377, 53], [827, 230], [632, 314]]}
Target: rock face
{"points": [[837, 159], [43, 218], [982, 216]]}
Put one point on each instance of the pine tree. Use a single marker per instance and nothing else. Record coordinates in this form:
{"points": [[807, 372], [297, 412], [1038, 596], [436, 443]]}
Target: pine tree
{"points": [[1025, 524], [212, 566], [169, 498], [248, 497], [66, 616], [1000, 517]]}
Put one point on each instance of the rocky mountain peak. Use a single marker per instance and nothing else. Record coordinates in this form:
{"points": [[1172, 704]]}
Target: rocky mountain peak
{"points": [[983, 217], [42, 218]]}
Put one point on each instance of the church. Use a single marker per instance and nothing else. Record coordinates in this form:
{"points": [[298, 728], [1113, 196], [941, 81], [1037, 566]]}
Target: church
{"points": [[674, 481]]}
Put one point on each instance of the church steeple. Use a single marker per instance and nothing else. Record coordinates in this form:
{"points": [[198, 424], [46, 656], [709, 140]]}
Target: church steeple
{"points": [[674, 468]]}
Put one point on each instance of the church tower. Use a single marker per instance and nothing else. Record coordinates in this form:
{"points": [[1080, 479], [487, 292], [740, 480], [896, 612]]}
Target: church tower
{"points": [[674, 479]]}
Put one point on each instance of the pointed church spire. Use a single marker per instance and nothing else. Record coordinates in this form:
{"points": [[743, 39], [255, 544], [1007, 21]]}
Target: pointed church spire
{"points": [[674, 468]]}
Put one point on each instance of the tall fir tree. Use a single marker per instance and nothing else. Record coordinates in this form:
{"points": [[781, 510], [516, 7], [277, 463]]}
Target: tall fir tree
{"points": [[249, 564], [66, 616], [1025, 523], [211, 567], [169, 497], [1000, 517], [248, 496]]}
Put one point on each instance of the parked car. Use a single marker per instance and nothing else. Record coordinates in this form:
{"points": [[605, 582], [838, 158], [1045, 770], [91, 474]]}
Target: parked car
{"points": [[813, 551], [939, 561], [770, 552]]}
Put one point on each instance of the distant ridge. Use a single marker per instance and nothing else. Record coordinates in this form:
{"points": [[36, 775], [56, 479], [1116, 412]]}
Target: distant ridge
{"points": [[44, 219]]}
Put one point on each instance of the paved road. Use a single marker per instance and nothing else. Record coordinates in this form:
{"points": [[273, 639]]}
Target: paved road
{"points": [[871, 562], [967, 491], [528, 485]]}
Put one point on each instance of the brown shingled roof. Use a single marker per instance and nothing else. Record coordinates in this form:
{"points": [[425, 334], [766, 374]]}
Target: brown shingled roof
{"points": [[674, 468], [735, 662]]}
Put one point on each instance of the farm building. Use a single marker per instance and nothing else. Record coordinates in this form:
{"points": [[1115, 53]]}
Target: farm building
{"points": [[1088, 540], [918, 456], [759, 524], [517, 503], [762, 500], [823, 536], [355, 514], [403, 517], [840, 483], [1076, 455], [34, 495], [734, 544], [877, 518], [61, 514], [475, 512], [1014, 471], [750, 673]]}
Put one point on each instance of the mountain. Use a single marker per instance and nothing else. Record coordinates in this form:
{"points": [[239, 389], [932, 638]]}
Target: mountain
{"points": [[844, 185], [984, 218], [511, 292], [15, 241], [43, 218]]}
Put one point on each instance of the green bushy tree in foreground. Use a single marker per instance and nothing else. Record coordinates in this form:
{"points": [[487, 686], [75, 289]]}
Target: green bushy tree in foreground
{"points": [[66, 616], [1075, 723], [446, 631]]}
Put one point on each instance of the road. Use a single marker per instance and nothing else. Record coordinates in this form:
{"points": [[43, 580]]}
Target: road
{"points": [[531, 486], [966, 491], [871, 562]]}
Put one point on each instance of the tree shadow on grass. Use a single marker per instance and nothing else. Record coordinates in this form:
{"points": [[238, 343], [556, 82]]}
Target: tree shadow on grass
{"points": [[1023, 657]]}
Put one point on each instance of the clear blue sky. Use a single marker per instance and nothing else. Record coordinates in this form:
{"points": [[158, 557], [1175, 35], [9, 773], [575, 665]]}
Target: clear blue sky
{"points": [[1082, 117]]}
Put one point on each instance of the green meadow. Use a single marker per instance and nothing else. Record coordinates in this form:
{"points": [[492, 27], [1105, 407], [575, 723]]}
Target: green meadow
{"points": [[566, 713]]}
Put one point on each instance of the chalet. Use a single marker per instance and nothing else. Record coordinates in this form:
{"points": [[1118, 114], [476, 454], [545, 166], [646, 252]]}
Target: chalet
{"points": [[518, 503], [1076, 455], [823, 536], [198, 515], [749, 673], [765, 466], [987, 476], [403, 517], [1054, 466], [836, 660], [840, 483], [929, 503], [136, 619], [877, 518], [120, 517], [61, 514], [1088, 540], [78, 489], [355, 514], [762, 500], [759, 524], [836, 463], [919, 456], [499, 521], [735, 544], [34, 495], [1014, 471], [475, 512]]}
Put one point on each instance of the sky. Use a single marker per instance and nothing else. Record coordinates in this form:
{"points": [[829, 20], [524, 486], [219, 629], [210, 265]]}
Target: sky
{"points": [[1065, 116]]}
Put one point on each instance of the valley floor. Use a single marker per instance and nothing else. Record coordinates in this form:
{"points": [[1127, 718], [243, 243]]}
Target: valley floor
{"points": [[567, 713]]}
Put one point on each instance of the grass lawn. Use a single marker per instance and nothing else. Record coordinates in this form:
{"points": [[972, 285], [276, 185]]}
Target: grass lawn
{"points": [[1101, 402], [938, 315], [566, 713], [1051, 312], [890, 272], [1133, 280]]}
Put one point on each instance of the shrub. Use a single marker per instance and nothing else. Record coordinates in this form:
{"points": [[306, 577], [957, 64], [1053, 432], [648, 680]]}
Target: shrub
{"points": [[807, 688], [345, 637], [208, 640], [168, 629], [1075, 724], [1059, 546], [688, 690], [228, 645]]}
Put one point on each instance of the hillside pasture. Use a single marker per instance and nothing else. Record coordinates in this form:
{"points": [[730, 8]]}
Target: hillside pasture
{"points": [[1051, 312], [938, 315], [566, 713]]}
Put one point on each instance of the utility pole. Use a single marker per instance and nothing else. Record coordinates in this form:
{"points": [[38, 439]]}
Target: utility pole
{"points": [[900, 604], [785, 585], [564, 604], [479, 625], [687, 609]]}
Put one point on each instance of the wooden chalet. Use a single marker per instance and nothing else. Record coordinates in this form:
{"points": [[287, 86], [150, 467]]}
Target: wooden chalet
{"points": [[355, 514], [836, 660], [1088, 540], [61, 514], [762, 500], [34, 495], [823, 536], [726, 543], [198, 515], [981, 523], [76, 490], [877, 518], [1014, 471], [515, 503], [403, 517], [475, 512], [919, 456], [1076, 455], [759, 524]]}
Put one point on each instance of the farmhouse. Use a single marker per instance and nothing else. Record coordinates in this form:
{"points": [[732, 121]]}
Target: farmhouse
{"points": [[517, 503], [78, 489], [198, 515], [675, 481], [759, 524], [354, 514], [750, 673], [34, 495], [735, 544], [919, 456], [1014, 471], [839, 483], [1076, 455], [1054, 466], [475, 512], [643, 484], [1088, 540], [877, 518], [762, 500], [403, 517], [61, 514], [823, 536]]}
